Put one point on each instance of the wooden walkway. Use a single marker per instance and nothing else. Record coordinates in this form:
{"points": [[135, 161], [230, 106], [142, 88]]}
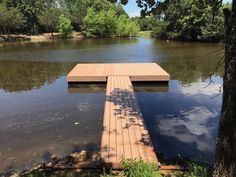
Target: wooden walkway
{"points": [[124, 133]]}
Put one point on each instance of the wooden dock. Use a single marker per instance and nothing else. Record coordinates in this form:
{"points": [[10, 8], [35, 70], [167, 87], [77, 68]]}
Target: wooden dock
{"points": [[124, 133], [100, 72]]}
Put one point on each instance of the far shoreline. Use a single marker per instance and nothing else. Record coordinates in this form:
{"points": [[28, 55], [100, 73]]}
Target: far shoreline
{"points": [[47, 37], [43, 37]]}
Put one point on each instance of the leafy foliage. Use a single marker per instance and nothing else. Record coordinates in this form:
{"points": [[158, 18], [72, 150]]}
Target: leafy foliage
{"points": [[180, 20], [105, 23], [99, 24], [189, 20], [43, 15], [10, 18], [49, 18], [126, 27], [147, 23], [64, 26], [195, 170], [77, 9], [138, 168]]}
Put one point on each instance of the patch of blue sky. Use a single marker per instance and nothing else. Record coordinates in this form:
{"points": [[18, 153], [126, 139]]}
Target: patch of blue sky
{"points": [[134, 11]]}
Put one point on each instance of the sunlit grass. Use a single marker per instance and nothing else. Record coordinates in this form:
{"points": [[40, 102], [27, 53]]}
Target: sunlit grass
{"points": [[145, 33]]}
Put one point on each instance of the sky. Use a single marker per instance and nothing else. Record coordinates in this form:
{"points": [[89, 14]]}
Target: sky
{"points": [[133, 11]]}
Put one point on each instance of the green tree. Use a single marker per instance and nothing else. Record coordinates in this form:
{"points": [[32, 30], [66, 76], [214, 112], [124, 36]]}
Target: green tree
{"points": [[30, 9], [105, 23], [148, 23], [99, 24], [189, 20], [49, 18], [126, 27], [3, 11], [10, 18], [64, 26], [213, 31], [77, 9]]}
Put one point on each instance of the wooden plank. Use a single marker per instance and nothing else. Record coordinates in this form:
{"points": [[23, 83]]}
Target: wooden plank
{"points": [[136, 124], [143, 135], [105, 141], [125, 127], [131, 120], [112, 150], [119, 117]]}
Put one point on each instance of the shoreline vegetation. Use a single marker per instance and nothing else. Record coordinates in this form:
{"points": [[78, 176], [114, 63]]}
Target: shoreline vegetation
{"points": [[44, 37], [89, 164], [185, 21]]}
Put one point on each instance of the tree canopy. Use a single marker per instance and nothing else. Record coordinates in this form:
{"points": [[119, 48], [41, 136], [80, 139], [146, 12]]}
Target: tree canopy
{"points": [[170, 19], [105, 23], [185, 20]]}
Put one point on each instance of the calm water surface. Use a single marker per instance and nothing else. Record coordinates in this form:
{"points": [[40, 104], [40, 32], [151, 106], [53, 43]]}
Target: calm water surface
{"points": [[40, 116]]}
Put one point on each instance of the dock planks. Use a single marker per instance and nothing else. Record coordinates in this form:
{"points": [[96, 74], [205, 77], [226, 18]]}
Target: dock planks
{"points": [[100, 72], [124, 135]]}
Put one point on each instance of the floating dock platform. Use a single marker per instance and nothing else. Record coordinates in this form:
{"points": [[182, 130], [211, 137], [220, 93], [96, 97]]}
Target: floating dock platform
{"points": [[124, 135]]}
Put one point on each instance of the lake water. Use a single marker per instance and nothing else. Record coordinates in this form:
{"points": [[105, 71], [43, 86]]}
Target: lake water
{"points": [[40, 116]]}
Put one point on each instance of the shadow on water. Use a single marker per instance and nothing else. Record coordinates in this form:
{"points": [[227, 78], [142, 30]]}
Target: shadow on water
{"points": [[101, 87], [151, 86], [86, 87]]}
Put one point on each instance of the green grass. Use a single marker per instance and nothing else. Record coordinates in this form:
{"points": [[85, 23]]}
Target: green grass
{"points": [[145, 33], [134, 168], [138, 168], [131, 168]]}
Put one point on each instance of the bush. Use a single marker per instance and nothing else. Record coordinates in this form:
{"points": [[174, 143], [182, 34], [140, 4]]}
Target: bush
{"points": [[126, 27], [105, 23], [99, 24], [64, 26]]}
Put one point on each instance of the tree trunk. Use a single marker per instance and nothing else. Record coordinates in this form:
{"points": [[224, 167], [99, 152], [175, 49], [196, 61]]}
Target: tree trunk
{"points": [[9, 32], [52, 34], [225, 158]]}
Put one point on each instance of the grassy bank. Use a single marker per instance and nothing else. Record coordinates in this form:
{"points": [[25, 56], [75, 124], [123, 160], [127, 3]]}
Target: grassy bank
{"points": [[145, 33]]}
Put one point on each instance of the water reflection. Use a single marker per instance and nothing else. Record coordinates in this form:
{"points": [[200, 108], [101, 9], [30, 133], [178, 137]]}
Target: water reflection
{"points": [[151, 86], [190, 126], [189, 62], [41, 122], [26, 75], [38, 111], [185, 120], [87, 88]]}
